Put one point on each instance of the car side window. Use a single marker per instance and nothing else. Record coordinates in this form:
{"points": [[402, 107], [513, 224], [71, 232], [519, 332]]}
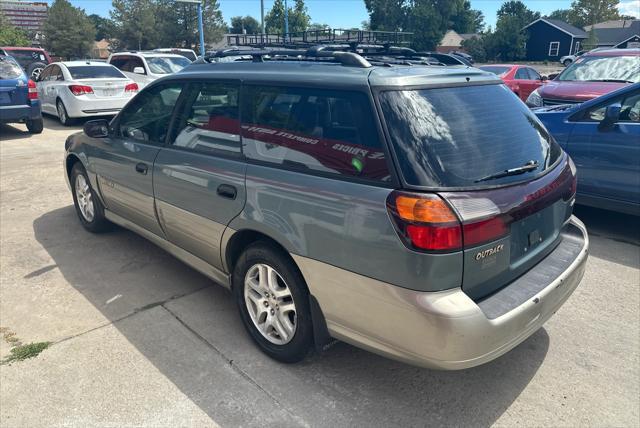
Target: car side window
{"points": [[136, 62], [46, 73], [210, 119], [533, 75], [629, 111], [119, 62], [522, 74], [146, 119], [313, 130], [56, 74]]}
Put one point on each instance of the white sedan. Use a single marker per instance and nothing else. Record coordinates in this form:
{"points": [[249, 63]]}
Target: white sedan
{"points": [[76, 89]]}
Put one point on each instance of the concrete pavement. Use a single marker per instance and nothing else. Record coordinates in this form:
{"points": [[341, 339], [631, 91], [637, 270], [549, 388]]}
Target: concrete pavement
{"points": [[140, 339]]}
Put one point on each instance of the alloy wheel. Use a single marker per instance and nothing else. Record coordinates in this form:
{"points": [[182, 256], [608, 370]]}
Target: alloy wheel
{"points": [[270, 304], [62, 113], [84, 198]]}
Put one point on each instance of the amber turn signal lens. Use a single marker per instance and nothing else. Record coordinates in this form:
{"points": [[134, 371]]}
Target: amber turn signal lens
{"points": [[429, 209]]}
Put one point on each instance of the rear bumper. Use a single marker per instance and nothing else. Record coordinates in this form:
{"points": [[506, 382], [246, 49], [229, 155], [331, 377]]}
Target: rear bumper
{"points": [[78, 107], [20, 113], [446, 329]]}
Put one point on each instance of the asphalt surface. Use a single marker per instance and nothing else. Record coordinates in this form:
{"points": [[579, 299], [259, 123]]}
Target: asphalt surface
{"points": [[140, 339]]}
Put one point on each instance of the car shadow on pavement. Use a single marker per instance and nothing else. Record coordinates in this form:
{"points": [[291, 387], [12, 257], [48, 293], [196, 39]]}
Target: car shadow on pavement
{"points": [[125, 277], [16, 131]]}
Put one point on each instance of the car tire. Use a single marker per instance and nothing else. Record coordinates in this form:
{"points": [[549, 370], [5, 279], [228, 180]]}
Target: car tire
{"points": [[89, 209], [273, 301], [35, 126], [34, 70], [567, 62], [63, 116]]}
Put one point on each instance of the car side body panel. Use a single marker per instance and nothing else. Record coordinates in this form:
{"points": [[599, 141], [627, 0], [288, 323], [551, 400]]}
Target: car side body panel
{"points": [[341, 223]]}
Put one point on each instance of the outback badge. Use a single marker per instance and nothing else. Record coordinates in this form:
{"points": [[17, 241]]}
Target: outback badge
{"points": [[489, 252]]}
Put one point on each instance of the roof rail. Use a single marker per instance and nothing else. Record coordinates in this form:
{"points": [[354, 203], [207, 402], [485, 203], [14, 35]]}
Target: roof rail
{"points": [[324, 36], [316, 53]]}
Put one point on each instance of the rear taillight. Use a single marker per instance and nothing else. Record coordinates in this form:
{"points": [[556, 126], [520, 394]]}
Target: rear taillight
{"points": [[131, 87], [80, 89], [33, 91], [425, 221]]}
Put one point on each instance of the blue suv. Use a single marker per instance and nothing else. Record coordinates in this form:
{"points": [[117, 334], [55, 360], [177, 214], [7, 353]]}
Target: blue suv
{"points": [[19, 101]]}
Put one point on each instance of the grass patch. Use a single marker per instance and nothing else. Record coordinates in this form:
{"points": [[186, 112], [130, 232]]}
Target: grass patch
{"points": [[23, 352]]}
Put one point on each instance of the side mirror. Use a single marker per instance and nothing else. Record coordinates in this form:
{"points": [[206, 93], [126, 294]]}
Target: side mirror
{"points": [[544, 78], [611, 116], [96, 128], [138, 70]]}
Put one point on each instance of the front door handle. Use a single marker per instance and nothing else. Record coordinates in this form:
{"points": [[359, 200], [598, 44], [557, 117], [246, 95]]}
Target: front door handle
{"points": [[227, 191], [142, 168]]}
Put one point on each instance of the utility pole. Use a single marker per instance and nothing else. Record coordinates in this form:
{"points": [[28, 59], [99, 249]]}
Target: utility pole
{"points": [[286, 19], [200, 22], [262, 15]]}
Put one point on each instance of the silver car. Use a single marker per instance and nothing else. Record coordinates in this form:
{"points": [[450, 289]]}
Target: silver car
{"points": [[75, 89], [145, 67]]}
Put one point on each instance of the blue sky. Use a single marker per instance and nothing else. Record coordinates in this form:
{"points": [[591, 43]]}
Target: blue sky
{"points": [[350, 13]]}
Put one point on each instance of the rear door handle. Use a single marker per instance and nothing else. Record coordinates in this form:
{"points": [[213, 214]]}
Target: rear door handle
{"points": [[227, 191], [142, 168]]}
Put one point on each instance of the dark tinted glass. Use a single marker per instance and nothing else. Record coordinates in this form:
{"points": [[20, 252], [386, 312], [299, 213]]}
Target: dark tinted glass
{"points": [[452, 137], [9, 69], [27, 57], [94, 72], [522, 74], [533, 75], [210, 122], [316, 130], [146, 119], [495, 69]]}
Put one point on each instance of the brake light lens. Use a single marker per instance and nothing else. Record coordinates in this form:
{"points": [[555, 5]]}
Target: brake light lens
{"points": [[425, 222], [33, 91], [131, 87], [78, 90]]}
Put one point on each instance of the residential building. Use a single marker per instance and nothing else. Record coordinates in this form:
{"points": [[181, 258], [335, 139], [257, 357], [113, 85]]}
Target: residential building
{"points": [[618, 34], [452, 41], [550, 39]]}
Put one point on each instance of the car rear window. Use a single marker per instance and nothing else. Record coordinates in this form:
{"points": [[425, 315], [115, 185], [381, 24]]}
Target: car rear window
{"points": [[9, 69], [603, 68], [95, 72], [453, 137], [495, 69], [27, 57]]}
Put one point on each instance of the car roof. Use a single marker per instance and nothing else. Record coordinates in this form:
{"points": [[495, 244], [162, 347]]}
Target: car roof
{"points": [[83, 63], [614, 52], [22, 48], [149, 54], [503, 65], [334, 75]]}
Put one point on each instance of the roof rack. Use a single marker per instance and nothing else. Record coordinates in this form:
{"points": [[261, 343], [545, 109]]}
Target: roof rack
{"points": [[335, 54], [318, 37]]}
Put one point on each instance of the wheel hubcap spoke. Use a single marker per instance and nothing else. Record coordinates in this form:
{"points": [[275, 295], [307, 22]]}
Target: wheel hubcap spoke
{"points": [[84, 198], [270, 304]]}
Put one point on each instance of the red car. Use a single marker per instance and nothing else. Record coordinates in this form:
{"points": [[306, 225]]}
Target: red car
{"points": [[32, 60], [593, 74], [521, 79]]}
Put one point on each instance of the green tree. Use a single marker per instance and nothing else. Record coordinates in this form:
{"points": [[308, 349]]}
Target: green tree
{"points": [[10, 35], [136, 24], [427, 19], [318, 26], [299, 19], [475, 47], [69, 32], [561, 14], [178, 23], [589, 12], [592, 41], [508, 40], [247, 23], [105, 28], [467, 20]]}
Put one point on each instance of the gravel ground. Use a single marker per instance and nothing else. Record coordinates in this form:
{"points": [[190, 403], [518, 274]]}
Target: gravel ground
{"points": [[140, 339]]}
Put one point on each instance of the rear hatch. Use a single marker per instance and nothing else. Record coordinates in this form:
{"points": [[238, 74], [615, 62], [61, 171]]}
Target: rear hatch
{"points": [[106, 81], [503, 187], [13, 84]]}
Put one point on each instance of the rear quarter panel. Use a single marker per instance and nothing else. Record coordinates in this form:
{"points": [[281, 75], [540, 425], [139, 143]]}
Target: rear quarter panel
{"points": [[340, 223]]}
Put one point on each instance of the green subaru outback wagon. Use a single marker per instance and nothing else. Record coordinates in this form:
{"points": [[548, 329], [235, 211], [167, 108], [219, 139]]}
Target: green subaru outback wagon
{"points": [[421, 212]]}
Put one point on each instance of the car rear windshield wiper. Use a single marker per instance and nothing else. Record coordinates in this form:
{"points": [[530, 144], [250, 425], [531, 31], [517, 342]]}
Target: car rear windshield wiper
{"points": [[529, 166], [610, 80]]}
